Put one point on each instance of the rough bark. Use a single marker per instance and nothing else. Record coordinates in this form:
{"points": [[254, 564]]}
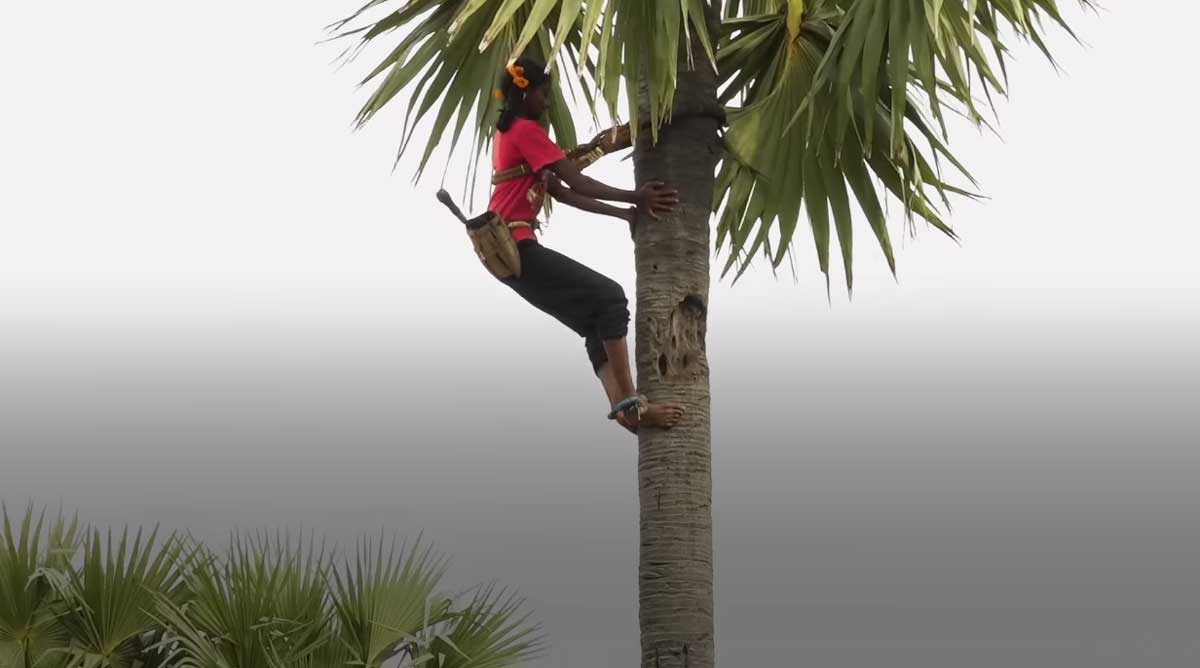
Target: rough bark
{"points": [[674, 467]]}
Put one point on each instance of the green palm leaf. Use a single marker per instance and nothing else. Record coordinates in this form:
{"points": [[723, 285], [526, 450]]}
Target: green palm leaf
{"points": [[262, 606], [489, 632], [106, 603], [836, 103], [440, 67], [382, 599], [30, 632]]}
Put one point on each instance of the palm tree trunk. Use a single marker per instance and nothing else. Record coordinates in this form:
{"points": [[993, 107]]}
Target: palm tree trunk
{"points": [[674, 467]]}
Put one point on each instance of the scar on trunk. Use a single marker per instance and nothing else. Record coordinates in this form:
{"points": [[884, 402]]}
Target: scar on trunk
{"points": [[681, 344]]}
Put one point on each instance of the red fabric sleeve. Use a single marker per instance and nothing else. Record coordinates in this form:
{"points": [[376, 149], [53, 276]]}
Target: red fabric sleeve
{"points": [[535, 146]]}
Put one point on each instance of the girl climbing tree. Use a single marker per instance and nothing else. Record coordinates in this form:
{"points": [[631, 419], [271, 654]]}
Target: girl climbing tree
{"points": [[528, 166]]}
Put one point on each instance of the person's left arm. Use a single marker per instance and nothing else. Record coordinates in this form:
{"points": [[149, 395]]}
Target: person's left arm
{"points": [[540, 154], [560, 192]]}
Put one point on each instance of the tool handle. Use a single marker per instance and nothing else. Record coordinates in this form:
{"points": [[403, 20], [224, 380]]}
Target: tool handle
{"points": [[444, 198]]}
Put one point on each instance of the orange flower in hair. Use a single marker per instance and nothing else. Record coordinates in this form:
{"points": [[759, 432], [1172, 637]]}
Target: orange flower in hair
{"points": [[518, 76]]}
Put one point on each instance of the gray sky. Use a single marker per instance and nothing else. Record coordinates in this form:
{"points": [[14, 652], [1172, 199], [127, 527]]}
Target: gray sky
{"points": [[207, 167], [219, 307], [179, 198]]}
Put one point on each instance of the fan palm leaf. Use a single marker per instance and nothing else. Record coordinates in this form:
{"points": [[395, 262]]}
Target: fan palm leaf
{"points": [[489, 631], [105, 603], [30, 632], [262, 606], [382, 599], [816, 167]]}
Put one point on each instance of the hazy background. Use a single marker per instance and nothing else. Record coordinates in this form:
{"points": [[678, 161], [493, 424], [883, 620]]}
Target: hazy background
{"points": [[219, 308]]}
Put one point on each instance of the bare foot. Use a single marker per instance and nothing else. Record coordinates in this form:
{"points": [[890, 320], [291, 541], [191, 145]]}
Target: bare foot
{"points": [[655, 415], [662, 416]]}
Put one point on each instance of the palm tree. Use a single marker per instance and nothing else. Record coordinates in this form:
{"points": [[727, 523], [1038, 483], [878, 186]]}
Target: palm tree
{"points": [[762, 113]]}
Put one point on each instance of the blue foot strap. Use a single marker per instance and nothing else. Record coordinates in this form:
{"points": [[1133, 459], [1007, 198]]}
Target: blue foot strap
{"points": [[626, 405]]}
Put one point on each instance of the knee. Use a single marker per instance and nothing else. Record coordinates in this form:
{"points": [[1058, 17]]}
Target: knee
{"points": [[614, 295], [613, 313], [615, 303]]}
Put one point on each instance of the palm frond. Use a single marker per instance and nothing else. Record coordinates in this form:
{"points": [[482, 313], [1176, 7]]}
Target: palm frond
{"points": [[262, 606], [382, 599], [106, 602], [447, 63], [833, 101], [490, 631], [452, 51], [30, 632]]}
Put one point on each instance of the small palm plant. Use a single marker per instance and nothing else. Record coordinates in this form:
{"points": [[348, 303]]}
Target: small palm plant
{"points": [[388, 607], [103, 604], [71, 597], [283, 604], [261, 606], [29, 630], [57, 611]]}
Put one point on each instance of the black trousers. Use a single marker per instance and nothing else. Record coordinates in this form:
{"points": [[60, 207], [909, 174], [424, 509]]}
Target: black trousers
{"points": [[589, 303]]}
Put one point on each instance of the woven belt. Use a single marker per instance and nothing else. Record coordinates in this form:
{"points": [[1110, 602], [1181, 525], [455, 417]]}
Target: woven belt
{"points": [[582, 159]]}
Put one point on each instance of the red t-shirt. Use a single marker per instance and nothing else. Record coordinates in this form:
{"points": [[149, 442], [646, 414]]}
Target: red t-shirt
{"points": [[521, 199]]}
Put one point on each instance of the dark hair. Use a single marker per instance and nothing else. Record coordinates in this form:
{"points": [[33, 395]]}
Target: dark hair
{"points": [[513, 104]]}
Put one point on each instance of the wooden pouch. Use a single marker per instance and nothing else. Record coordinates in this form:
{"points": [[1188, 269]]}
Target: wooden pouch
{"points": [[493, 243]]}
